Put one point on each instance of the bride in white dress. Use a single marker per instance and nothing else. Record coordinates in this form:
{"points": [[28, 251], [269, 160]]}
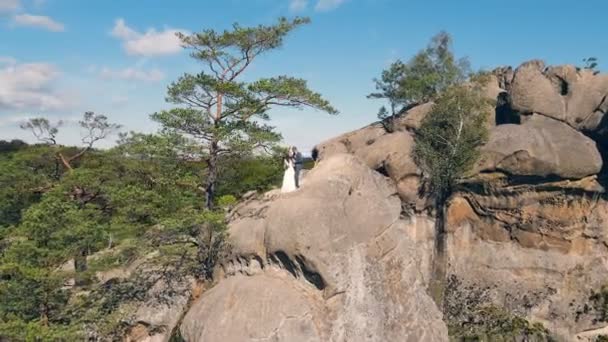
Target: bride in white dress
{"points": [[289, 178]]}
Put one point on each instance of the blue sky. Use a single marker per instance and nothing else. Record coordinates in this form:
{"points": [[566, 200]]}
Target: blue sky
{"points": [[59, 58]]}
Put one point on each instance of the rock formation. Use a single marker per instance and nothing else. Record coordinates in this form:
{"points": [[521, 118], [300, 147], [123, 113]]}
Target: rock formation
{"points": [[347, 257], [330, 262]]}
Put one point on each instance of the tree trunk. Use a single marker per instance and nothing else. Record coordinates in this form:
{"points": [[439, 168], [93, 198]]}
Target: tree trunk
{"points": [[214, 150], [211, 175], [44, 315], [80, 266], [392, 119], [57, 171], [65, 162], [439, 265], [44, 309]]}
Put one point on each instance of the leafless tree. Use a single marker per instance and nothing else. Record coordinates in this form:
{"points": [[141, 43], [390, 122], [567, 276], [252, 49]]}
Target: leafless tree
{"points": [[95, 127]]}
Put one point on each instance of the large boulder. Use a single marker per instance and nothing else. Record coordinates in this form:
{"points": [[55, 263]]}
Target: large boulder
{"points": [[565, 93], [349, 142], [412, 118], [388, 153], [264, 307], [157, 317], [540, 147], [533, 92], [504, 77], [332, 261]]}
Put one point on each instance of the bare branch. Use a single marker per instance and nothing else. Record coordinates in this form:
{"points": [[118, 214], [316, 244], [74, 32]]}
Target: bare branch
{"points": [[43, 130]]}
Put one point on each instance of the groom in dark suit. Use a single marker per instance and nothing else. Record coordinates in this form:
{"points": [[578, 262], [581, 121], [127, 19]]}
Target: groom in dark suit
{"points": [[297, 158]]}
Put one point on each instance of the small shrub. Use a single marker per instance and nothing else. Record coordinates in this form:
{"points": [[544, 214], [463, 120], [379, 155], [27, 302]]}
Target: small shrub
{"points": [[491, 323]]}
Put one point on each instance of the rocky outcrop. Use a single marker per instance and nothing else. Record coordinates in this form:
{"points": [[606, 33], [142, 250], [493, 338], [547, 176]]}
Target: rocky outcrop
{"points": [[564, 93], [540, 147], [390, 154], [348, 257], [156, 319], [333, 261], [412, 118]]}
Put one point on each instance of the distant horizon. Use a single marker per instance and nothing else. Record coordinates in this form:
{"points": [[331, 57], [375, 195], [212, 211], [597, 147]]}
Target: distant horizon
{"points": [[60, 58]]}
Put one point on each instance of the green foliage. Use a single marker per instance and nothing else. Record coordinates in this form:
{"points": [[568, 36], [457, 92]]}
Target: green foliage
{"points": [[32, 331], [206, 230], [259, 173], [29, 292], [591, 64], [223, 116], [138, 201], [449, 136], [226, 201], [424, 77], [599, 303], [71, 217], [176, 336], [495, 324], [26, 173], [11, 146], [14, 194]]}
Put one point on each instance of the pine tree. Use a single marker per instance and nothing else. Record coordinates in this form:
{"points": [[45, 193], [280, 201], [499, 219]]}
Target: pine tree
{"points": [[223, 114]]}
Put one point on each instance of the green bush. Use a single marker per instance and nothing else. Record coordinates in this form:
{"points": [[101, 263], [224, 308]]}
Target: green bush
{"points": [[490, 323]]}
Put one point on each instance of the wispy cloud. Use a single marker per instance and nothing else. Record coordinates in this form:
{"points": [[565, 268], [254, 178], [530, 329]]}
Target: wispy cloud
{"points": [[9, 5], [132, 74], [30, 86], [40, 21], [7, 60], [12, 120], [297, 5], [328, 5], [150, 43]]}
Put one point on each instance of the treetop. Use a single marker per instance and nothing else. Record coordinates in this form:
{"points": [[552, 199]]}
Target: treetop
{"points": [[228, 53]]}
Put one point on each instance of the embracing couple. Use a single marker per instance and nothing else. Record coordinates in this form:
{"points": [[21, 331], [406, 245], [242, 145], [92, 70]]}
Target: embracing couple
{"points": [[293, 166]]}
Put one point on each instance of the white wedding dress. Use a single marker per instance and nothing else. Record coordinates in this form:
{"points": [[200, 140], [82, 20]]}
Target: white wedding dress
{"points": [[289, 178]]}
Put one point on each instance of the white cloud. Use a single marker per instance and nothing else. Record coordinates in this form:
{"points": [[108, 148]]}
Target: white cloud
{"points": [[328, 5], [29, 86], [150, 43], [132, 74], [38, 21], [297, 5], [9, 5], [121, 30]]}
